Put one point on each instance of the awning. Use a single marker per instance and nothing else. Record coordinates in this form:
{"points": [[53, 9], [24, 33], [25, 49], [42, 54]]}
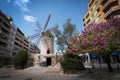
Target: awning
{"points": [[115, 53]]}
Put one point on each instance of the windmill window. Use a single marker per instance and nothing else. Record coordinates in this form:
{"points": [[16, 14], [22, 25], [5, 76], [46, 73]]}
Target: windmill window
{"points": [[48, 51], [50, 36]]}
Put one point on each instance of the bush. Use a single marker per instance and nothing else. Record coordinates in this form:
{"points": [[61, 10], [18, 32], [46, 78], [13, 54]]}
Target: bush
{"points": [[71, 64], [20, 59]]}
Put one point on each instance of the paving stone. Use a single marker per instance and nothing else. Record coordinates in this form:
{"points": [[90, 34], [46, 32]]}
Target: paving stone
{"points": [[44, 73]]}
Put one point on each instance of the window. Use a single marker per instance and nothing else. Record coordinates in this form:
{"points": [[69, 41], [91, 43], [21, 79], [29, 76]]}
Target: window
{"points": [[94, 7], [88, 21], [83, 19], [95, 13], [84, 24], [98, 10], [99, 17], [96, 3], [92, 15], [91, 3], [91, 9], [16, 49], [104, 2], [48, 51], [87, 15]]}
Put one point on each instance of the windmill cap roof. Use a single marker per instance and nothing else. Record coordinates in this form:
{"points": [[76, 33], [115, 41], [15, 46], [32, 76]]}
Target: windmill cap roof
{"points": [[47, 33]]}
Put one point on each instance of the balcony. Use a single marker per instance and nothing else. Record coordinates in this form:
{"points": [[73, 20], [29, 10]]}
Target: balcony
{"points": [[111, 10], [103, 2], [18, 43], [108, 3], [3, 48], [4, 28], [3, 40]]}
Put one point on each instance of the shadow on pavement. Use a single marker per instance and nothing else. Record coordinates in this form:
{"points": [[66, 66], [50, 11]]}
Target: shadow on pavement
{"points": [[5, 76], [98, 75]]}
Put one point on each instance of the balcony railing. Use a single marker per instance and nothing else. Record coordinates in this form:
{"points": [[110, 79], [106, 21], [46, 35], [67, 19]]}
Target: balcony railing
{"points": [[114, 8], [3, 48], [3, 40], [107, 3]]}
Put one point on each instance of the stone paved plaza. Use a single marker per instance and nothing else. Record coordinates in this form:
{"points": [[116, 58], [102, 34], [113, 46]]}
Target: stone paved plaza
{"points": [[47, 73]]}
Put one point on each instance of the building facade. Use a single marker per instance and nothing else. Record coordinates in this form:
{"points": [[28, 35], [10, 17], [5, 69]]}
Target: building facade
{"points": [[12, 40], [100, 10], [94, 14], [5, 32]]}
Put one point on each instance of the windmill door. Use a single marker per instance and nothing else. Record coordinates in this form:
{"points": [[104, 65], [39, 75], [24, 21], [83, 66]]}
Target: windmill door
{"points": [[48, 61]]}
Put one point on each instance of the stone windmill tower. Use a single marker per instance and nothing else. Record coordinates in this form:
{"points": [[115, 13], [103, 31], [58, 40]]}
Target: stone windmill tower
{"points": [[47, 48]]}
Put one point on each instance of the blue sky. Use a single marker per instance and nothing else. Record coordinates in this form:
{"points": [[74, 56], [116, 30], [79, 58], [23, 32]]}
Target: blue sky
{"points": [[26, 12]]}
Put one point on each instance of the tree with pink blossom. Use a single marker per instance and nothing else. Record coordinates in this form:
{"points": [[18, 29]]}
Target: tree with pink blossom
{"points": [[102, 38]]}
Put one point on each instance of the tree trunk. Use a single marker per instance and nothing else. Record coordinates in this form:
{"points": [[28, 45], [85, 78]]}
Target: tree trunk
{"points": [[107, 61]]}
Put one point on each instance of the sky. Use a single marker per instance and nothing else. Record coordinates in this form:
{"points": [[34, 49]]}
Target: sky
{"points": [[25, 13]]}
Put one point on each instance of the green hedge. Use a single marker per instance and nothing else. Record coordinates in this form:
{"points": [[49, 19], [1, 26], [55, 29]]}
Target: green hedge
{"points": [[20, 59], [71, 63]]}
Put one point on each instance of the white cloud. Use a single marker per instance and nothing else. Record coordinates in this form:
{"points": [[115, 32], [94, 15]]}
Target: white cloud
{"points": [[23, 5], [30, 18]]}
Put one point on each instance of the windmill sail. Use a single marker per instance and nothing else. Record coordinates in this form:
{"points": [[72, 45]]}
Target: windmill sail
{"points": [[38, 26], [40, 32], [47, 22]]}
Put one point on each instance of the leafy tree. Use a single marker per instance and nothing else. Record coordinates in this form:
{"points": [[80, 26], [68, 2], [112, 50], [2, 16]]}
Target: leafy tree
{"points": [[101, 38], [20, 59], [63, 36], [69, 30]]}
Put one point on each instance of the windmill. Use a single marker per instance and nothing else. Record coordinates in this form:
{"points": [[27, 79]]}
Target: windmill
{"points": [[44, 38], [39, 31]]}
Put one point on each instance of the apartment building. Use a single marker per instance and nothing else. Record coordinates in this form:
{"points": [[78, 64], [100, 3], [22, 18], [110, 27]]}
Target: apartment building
{"points": [[12, 39], [94, 14], [100, 10], [5, 31]]}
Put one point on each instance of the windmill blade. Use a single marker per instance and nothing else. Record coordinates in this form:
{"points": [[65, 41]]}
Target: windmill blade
{"points": [[39, 28], [37, 43], [34, 36], [36, 29], [47, 22]]}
